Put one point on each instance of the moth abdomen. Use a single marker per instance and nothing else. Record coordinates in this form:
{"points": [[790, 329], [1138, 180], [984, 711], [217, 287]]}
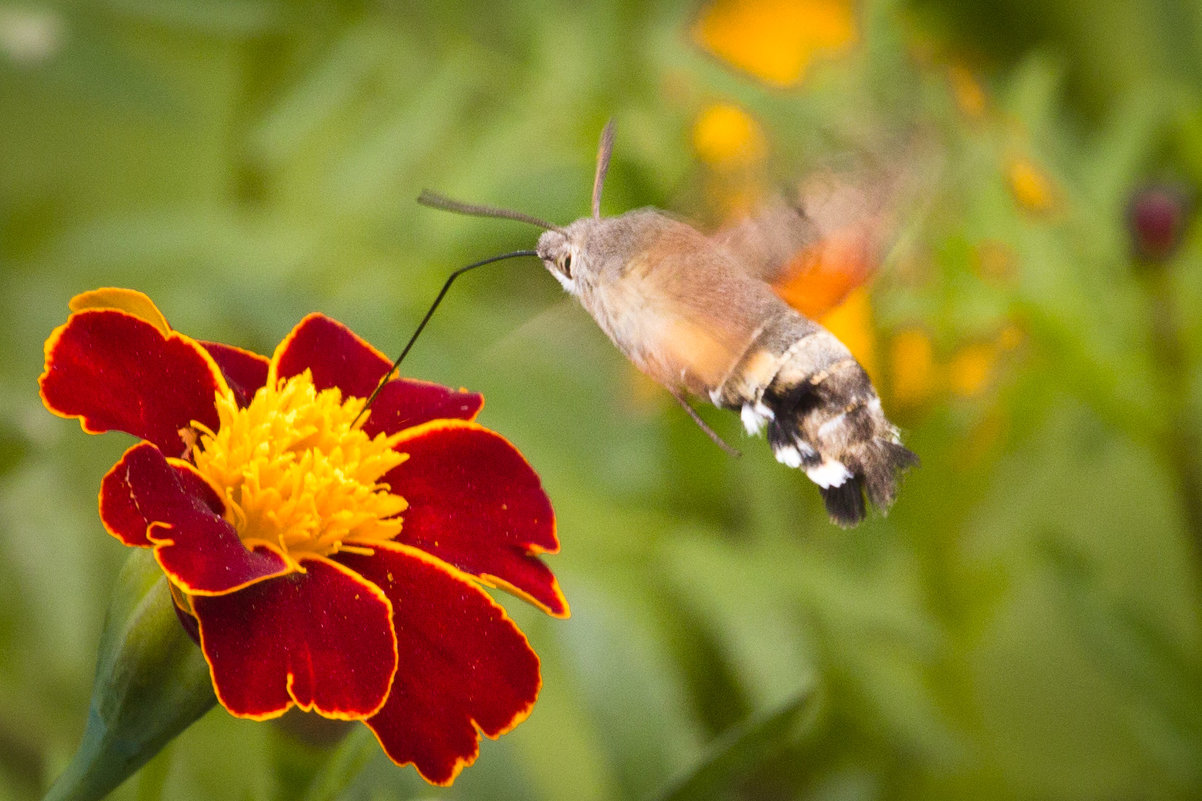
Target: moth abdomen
{"points": [[823, 417]]}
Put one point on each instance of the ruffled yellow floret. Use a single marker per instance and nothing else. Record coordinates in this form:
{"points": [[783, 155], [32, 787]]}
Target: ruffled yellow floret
{"points": [[296, 473]]}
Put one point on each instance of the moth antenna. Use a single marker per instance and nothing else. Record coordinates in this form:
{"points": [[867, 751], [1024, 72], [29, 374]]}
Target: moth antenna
{"points": [[603, 152], [430, 313], [437, 201]]}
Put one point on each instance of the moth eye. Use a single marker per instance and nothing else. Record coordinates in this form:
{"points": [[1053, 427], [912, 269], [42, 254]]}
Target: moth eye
{"points": [[566, 264]]}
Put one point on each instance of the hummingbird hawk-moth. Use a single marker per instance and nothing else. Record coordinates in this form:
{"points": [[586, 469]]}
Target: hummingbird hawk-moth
{"points": [[699, 315]]}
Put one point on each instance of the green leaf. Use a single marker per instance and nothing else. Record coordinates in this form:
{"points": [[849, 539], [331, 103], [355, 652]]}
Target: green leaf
{"points": [[747, 747], [1160, 679]]}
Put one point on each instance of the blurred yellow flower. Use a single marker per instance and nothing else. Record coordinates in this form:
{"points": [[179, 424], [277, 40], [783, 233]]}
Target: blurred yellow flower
{"points": [[912, 367], [971, 367], [917, 377], [1030, 185], [731, 143], [775, 40], [725, 136]]}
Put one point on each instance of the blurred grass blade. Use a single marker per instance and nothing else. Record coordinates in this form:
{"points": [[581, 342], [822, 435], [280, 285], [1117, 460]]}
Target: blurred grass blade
{"points": [[1162, 681], [746, 747], [151, 683], [343, 765]]}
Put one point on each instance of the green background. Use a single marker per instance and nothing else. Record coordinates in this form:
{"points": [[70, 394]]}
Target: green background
{"points": [[1025, 624]]}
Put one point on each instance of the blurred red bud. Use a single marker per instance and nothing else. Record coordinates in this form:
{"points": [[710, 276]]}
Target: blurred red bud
{"points": [[1156, 217]]}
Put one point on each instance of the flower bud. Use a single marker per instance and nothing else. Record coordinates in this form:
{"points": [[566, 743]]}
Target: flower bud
{"points": [[151, 683], [1156, 218]]}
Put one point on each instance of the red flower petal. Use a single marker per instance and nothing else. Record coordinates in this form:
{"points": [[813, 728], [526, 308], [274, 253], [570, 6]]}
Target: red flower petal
{"points": [[463, 663], [476, 503], [194, 544], [118, 511], [117, 371], [338, 357], [322, 639], [244, 371], [335, 355], [404, 403]]}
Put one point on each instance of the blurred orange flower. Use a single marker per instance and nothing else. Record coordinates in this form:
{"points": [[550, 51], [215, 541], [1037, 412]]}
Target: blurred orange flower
{"points": [[775, 40]]}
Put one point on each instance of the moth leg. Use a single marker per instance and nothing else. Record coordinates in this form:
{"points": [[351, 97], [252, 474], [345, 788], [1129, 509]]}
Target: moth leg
{"points": [[709, 432]]}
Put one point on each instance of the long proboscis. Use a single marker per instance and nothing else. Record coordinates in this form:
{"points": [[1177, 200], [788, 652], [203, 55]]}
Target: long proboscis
{"points": [[437, 201], [430, 313]]}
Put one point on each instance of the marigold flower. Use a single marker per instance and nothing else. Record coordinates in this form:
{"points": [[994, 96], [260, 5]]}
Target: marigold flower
{"points": [[332, 558]]}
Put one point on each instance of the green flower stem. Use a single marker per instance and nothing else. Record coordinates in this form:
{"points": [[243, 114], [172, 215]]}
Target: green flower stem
{"points": [[151, 683], [1182, 438]]}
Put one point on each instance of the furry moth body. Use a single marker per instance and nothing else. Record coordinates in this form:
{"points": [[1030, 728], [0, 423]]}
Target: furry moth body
{"points": [[692, 313]]}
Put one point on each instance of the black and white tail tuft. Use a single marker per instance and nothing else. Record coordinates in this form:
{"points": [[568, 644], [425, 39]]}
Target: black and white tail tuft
{"points": [[829, 424]]}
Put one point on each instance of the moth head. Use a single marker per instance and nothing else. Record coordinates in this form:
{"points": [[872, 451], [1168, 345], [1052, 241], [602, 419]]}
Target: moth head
{"points": [[561, 256], [593, 252], [578, 255], [587, 252]]}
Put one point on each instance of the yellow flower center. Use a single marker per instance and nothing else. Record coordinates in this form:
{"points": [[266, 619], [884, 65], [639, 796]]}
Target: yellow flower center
{"points": [[295, 472]]}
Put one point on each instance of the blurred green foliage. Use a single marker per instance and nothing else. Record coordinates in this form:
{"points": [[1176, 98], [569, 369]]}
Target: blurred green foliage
{"points": [[1025, 624]]}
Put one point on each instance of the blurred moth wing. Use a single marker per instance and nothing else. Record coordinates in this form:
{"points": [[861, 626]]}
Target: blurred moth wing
{"points": [[818, 245]]}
